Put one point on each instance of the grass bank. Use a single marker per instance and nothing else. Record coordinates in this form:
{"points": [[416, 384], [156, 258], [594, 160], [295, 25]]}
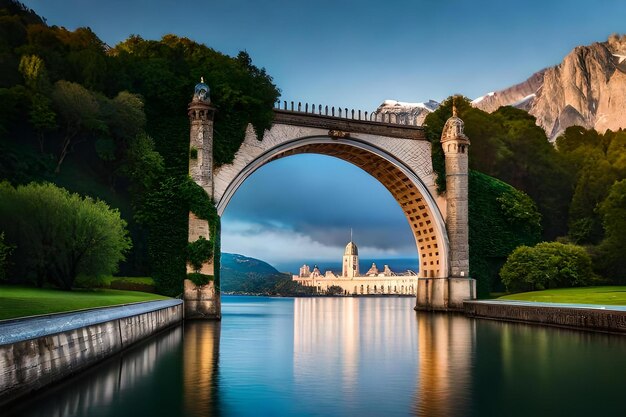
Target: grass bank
{"points": [[613, 295], [17, 301]]}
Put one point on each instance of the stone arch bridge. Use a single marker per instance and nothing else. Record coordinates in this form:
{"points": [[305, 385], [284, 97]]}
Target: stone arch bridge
{"points": [[393, 150]]}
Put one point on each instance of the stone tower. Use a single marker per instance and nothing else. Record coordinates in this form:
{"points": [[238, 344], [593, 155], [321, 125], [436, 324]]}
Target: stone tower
{"points": [[350, 261], [449, 292], [201, 114], [456, 147], [201, 301]]}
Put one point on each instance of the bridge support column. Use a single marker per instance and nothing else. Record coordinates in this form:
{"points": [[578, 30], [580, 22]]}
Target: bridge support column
{"points": [[449, 292], [202, 297]]}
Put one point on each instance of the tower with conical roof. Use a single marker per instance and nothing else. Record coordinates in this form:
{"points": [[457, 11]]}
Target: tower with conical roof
{"points": [[201, 113], [202, 301], [350, 267], [456, 148]]}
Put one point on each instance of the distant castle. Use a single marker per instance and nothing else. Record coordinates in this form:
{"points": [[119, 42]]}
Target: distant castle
{"points": [[373, 282]]}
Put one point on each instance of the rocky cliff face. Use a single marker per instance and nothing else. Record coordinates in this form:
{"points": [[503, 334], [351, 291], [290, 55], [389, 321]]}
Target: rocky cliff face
{"points": [[520, 95], [588, 88], [409, 113]]}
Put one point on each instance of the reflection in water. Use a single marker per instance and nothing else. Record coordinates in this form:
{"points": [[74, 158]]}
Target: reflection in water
{"points": [[349, 357], [445, 345], [200, 359], [100, 390], [146, 380], [332, 326], [340, 347]]}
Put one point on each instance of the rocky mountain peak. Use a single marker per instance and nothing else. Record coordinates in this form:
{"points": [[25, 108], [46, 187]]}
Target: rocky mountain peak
{"points": [[588, 88]]}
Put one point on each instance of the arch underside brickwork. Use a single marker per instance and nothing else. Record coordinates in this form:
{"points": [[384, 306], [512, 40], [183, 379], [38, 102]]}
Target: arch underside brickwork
{"points": [[418, 205]]}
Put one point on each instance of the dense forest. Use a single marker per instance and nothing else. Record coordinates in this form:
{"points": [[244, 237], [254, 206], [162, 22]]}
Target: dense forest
{"points": [[577, 186], [109, 123]]}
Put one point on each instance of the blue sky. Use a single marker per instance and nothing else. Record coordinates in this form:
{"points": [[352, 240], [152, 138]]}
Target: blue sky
{"points": [[351, 54]]}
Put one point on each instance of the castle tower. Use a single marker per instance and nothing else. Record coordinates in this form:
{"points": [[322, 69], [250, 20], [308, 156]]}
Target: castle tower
{"points": [[201, 114], [448, 293], [201, 301], [456, 148], [350, 261]]}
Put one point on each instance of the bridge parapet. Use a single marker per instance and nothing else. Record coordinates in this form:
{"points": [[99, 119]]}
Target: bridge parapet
{"points": [[345, 113], [346, 120]]}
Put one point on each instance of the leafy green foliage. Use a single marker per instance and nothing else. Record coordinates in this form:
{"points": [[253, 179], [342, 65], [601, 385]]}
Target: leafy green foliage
{"points": [[501, 218], [115, 120], [199, 252], [596, 161], [199, 279], [547, 265], [334, 290], [611, 259], [5, 251], [508, 145], [61, 235]]}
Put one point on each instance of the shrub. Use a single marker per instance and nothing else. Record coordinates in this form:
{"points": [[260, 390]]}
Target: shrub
{"points": [[130, 285], [334, 290], [547, 265], [61, 235], [199, 279], [199, 252]]}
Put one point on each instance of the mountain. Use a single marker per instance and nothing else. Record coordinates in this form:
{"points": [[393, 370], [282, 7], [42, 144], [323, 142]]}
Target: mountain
{"points": [[588, 88], [411, 113], [520, 95], [241, 274]]}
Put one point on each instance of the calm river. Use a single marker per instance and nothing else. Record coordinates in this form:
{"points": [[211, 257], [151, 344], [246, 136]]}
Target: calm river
{"points": [[349, 357]]}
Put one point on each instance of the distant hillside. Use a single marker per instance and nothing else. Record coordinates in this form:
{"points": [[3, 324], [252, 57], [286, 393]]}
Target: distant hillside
{"points": [[241, 274]]}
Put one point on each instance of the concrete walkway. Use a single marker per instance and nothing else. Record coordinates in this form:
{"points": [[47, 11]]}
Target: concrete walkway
{"points": [[594, 317], [16, 330], [553, 305]]}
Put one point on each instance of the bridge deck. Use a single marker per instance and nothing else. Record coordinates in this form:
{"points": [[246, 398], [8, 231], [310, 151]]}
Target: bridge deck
{"points": [[349, 124]]}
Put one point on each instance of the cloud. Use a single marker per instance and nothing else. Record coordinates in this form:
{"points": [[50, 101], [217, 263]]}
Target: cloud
{"points": [[322, 198], [281, 245], [303, 207]]}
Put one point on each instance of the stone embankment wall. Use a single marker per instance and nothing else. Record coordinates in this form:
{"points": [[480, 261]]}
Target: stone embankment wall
{"points": [[581, 317], [35, 352]]}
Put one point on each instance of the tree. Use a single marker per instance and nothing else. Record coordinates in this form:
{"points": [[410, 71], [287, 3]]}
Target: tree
{"points": [[61, 235], [596, 162], [80, 112], [612, 250], [334, 290], [508, 145], [41, 115], [547, 265], [5, 250], [501, 218]]}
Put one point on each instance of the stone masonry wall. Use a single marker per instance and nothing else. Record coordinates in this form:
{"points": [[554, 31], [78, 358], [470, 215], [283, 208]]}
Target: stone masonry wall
{"points": [[32, 364]]}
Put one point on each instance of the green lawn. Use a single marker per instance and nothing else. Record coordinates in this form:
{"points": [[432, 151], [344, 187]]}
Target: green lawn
{"points": [[137, 280], [586, 295], [26, 301]]}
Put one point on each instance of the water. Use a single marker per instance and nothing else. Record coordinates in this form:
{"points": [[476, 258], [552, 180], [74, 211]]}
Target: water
{"points": [[349, 357]]}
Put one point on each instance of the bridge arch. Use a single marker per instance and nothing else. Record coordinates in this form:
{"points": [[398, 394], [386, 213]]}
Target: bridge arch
{"points": [[407, 188], [393, 151]]}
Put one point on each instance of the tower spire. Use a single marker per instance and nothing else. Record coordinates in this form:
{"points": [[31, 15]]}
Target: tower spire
{"points": [[350, 234], [454, 113]]}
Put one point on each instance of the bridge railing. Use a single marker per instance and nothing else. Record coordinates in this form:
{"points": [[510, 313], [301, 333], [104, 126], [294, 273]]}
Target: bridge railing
{"points": [[345, 113]]}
